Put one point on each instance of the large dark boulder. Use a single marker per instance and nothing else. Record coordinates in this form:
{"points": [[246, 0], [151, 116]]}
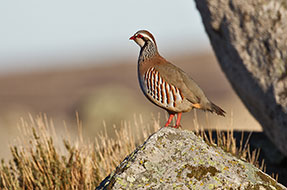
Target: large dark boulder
{"points": [[249, 39]]}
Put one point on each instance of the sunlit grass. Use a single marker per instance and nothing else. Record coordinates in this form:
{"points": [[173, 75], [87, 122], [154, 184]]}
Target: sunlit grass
{"points": [[43, 160]]}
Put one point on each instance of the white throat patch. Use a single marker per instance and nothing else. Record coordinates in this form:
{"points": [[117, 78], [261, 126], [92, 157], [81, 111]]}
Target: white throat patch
{"points": [[140, 42]]}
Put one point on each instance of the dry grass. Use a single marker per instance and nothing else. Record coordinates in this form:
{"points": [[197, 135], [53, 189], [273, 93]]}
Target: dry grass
{"points": [[42, 160]]}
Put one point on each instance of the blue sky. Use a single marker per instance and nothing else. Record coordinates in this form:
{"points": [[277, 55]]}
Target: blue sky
{"points": [[68, 29]]}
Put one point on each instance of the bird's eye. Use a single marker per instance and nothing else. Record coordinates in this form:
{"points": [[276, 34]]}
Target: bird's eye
{"points": [[139, 36]]}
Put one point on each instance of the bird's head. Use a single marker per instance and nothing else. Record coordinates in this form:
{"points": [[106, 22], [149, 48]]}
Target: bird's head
{"points": [[142, 37]]}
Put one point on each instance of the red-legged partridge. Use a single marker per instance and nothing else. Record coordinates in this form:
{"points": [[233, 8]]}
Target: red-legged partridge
{"points": [[166, 85]]}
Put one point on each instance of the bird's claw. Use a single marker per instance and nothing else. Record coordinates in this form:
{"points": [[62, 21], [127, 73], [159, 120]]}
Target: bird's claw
{"points": [[177, 126]]}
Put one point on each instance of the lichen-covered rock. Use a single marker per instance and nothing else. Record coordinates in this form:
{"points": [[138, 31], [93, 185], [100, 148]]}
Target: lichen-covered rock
{"points": [[177, 159]]}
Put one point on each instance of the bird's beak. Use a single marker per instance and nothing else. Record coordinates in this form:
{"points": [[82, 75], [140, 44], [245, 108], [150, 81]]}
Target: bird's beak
{"points": [[132, 38]]}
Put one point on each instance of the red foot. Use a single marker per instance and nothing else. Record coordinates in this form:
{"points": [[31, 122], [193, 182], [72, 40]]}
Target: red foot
{"points": [[177, 120], [169, 120], [176, 126]]}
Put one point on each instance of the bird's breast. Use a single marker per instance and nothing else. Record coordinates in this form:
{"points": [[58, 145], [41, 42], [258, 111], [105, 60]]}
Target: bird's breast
{"points": [[159, 91]]}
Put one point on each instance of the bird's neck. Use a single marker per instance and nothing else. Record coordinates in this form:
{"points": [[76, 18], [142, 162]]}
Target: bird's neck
{"points": [[148, 51]]}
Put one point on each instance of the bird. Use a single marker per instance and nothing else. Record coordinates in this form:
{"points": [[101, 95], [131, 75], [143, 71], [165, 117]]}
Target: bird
{"points": [[166, 85]]}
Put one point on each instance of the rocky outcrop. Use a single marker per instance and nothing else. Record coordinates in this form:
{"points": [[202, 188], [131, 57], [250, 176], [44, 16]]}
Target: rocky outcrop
{"points": [[176, 159], [250, 42]]}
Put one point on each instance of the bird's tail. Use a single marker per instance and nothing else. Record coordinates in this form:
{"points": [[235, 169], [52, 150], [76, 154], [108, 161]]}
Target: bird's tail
{"points": [[216, 109]]}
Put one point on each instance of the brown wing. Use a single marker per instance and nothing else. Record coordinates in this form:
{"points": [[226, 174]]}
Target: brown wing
{"points": [[177, 77]]}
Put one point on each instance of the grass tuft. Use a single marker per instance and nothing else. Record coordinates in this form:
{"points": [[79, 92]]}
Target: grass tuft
{"points": [[42, 160]]}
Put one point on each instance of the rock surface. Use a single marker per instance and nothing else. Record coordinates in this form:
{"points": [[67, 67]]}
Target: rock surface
{"points": [[177, 159], [250, 42]]}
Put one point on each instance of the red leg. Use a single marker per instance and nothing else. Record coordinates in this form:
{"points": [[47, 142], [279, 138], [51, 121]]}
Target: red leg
{"points": [[169, 119], [178, 120]]}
